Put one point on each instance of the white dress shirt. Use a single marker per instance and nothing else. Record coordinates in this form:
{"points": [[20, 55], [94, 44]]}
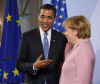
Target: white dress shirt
{"points": [[42, 36], [48, 36]]}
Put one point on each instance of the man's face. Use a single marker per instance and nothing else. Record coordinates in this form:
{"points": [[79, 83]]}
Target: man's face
{"points": [[46, 19]]}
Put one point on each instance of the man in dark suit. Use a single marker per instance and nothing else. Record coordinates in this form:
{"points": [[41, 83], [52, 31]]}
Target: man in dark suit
{"points": [[32, 59]]}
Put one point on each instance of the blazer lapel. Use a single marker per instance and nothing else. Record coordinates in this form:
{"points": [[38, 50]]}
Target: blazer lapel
{"points": [[52, 49], [39, 42]]}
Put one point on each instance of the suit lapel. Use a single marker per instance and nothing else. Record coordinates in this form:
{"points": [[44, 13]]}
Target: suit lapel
{"points": [[52, 45], [52, 49], [39, 41]]}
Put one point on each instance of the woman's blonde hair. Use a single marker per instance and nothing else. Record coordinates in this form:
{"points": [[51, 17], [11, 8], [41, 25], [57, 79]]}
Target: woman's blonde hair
{"points": [[79, 23]]}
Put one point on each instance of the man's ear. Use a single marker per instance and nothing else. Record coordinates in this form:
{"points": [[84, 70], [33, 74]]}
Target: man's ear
{"points": [[55, 17]]}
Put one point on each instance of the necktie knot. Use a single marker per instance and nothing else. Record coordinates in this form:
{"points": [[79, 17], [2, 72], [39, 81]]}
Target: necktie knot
{"points": [[45, 34]]}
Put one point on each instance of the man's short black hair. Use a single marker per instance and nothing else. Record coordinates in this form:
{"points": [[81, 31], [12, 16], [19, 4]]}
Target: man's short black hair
{"points": [[49, 7]]}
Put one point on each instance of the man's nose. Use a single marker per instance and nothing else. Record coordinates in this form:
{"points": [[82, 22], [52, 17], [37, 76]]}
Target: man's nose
{"points": [[45, 19]]}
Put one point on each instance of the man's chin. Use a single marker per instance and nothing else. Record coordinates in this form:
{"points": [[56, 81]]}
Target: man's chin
{"points": [[46, 29]]}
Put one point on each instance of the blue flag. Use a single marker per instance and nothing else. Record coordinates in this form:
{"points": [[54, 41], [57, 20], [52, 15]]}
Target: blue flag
{"points": [[61, 10], [11, 37]]}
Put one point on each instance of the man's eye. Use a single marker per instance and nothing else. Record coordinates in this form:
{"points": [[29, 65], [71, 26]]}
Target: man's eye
{"points": [[50, 17], [42, 16]]}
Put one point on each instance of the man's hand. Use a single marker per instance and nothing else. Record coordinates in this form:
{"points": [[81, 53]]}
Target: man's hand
{"points": [[41, 63]]}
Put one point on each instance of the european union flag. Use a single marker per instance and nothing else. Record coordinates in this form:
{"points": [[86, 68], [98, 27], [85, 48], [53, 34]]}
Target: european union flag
{"points": [[11, 37], [61, 9]]}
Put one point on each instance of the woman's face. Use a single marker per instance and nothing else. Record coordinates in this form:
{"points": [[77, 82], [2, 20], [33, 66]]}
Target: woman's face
{"points": [[71, 35]]}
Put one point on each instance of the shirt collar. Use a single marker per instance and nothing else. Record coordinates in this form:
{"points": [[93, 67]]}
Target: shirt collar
{"points": [[42, 32]]}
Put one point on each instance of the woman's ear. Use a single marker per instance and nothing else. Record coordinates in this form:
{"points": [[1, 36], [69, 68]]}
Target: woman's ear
{"points": [[75, 32]]}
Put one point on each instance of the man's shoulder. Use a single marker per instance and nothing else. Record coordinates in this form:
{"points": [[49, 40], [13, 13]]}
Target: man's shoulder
{"points": [[33, 31], [58, 33]]}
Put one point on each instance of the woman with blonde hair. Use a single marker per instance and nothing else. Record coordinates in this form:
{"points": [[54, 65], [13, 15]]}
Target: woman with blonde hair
{"points": [[79, 55]]}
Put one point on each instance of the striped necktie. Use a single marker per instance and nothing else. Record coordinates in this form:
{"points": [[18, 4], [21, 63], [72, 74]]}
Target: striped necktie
{"points": [[45, 45]]}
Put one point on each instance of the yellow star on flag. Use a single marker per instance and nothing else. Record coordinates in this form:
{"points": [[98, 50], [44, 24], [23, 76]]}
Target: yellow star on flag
{"points": [[8, 18], [5, 75], [15, 72], [18, 22]]}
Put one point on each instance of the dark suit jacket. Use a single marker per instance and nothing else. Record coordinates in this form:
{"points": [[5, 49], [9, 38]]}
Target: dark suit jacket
{"points": [[31, 48]]}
